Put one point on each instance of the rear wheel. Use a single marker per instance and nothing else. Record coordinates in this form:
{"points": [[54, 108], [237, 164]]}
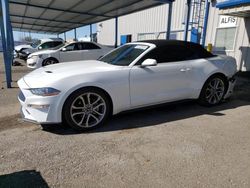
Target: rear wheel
{"points": [[213, 91], [50, 61], [86, 109]]}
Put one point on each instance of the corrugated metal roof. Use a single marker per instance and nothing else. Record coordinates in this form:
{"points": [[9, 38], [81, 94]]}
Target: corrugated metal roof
{"points": [[58, 16]]}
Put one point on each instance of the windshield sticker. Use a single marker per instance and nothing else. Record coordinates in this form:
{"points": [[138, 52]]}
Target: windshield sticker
{"points": [[142, 47]]}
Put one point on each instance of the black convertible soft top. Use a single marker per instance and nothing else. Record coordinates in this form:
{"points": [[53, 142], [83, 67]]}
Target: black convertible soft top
{"points": [[175, 43], [161, 43]]}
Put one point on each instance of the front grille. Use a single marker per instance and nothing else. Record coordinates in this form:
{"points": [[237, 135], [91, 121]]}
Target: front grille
{"points": [[21, 96]]}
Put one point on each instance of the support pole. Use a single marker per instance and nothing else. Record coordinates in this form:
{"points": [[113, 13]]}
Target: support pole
{"points": [[10, 32], [204, 32], [90, 31], [116, 32], [7, 39], [187, 19], [170, 7], [75, 33], [64, 36]]}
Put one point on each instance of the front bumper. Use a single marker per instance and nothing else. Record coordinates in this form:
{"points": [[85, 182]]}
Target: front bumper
{"points": [[37, 109], [34, 62], [231, 84], [23, 56]]}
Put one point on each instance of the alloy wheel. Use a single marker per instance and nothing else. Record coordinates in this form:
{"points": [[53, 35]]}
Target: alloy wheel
{"points": [[49, 62], [88, 110], [215, 91]]}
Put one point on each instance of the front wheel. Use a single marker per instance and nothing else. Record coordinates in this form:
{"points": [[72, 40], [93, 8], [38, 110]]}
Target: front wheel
{"points": [[213, 91], [86, 109], [49, 61]]}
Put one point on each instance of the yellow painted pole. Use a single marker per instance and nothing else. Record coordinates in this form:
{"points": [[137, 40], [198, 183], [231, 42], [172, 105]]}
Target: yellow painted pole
{"points": [[209, 47]]}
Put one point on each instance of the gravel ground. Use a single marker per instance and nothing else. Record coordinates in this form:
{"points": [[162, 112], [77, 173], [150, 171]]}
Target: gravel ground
{"points": [[182, 145]]}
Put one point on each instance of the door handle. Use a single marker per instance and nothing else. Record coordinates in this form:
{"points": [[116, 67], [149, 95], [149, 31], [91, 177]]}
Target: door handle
{"points": [[185, 69]]}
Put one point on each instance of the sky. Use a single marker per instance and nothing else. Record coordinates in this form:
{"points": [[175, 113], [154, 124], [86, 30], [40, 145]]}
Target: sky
{"points": [[80, 32]]}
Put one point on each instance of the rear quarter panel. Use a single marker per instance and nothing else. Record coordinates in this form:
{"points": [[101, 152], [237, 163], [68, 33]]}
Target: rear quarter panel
{"points": [[202, 69]]}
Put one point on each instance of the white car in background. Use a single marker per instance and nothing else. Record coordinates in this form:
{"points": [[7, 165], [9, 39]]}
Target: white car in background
{"points": [[84, 93], [42, 44], [73, 51]]}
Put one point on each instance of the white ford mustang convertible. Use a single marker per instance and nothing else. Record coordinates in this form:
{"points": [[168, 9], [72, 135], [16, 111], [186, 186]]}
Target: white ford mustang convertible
{"points": [[83, 94]]}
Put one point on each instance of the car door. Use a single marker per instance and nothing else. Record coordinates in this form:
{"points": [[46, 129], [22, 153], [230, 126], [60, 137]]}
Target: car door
{"points": [[72, 52], [91, 51], [168, 81]]}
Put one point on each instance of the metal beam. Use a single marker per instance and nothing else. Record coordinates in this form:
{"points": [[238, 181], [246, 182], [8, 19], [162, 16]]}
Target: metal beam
{"points": [[99, 6], [116, 32], [90, 31], [52, 1], [57, 9], [10, 32], [59, 15], [170, 8], [204, 32], [88, 10], [33, 31], [187, 19], [75, 33], [44, 19], [25, 11], [7, 39], [56, 27], [126, 6], [64, 36]]}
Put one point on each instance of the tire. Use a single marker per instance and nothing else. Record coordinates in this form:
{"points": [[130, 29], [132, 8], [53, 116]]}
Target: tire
{"points": [[86, 109], [49, 61], [213, 91]]}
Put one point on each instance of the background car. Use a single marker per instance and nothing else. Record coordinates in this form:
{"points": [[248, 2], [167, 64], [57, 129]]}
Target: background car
{"points": [[40, 45], [135, 75], [64, 53], [19, 48]]}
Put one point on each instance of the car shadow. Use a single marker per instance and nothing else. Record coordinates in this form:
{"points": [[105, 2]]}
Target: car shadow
{"points": [[152, 117], [166, 113], [23, 179]]}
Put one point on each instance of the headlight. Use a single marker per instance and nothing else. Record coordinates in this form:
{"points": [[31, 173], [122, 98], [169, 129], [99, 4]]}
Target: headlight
{"points": [[34, 56], [45, 91]]}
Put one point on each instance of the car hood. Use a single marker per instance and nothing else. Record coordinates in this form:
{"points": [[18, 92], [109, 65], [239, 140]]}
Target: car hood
{"points": [[46, 76], [19, 47]]}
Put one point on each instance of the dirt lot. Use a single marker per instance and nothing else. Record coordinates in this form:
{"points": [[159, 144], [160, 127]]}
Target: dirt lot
{"points": [[182, 145]]}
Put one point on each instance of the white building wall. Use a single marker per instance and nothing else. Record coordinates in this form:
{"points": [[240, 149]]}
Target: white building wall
{"points": [[241, 49], [154, 20]]}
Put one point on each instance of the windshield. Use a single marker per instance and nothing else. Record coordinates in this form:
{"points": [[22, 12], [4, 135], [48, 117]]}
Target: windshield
{"points": [[35, 44], [59, 46], [124, 55]]}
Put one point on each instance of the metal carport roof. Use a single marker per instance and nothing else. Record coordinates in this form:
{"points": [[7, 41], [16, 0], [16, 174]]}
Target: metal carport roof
{"points": [[58, 16]]}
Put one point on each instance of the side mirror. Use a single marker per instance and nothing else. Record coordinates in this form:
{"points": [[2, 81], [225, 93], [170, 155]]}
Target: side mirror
{"points": [[64, 49], [40, 47], [148, 62]]}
